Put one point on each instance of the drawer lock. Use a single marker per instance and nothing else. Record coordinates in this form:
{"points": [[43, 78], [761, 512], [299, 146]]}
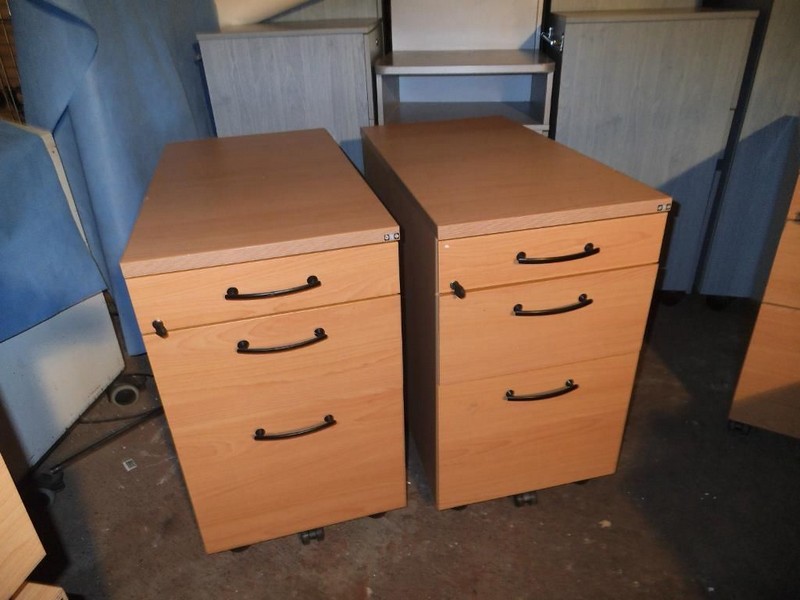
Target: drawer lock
{"points": [[583, 301], [262, 436], [569, 386], [588, 250], [243, 347]]}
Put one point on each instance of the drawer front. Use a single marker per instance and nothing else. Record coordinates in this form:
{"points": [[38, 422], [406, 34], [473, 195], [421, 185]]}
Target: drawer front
{"points": [[215, 399], [492, 260], [784, 278], [768, 392], [490, 447], [197, 297], [480, 336]]}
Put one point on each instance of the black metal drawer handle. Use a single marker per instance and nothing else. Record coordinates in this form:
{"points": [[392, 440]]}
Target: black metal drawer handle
{"points": [[262, 436], [569, 386], [583, 301], [588, 250], [243, 347], [311, 283]]}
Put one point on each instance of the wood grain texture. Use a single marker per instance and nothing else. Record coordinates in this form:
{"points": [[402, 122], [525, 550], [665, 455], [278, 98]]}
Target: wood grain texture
{"points": [[20, 549], [768, 392], [651, 94], [289, 82], [479, 176], [418, 269], [613, 324], [245, 491], [465, 24], [489, 447], [39, 591], [484, 261], [224, 201], [197, 297], [783, 287]]}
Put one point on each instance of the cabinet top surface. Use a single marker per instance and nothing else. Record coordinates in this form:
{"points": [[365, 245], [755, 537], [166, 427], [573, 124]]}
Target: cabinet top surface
{"points": [[477, 176], [464, 61], [229, 200], [667, 14], [324, 27]]}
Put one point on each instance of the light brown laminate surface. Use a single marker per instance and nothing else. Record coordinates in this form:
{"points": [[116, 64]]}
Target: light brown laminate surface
{"points": [[768, 391], [783, 287], [484, 261], [197, 297], [20, 549], [490, 447], [244, 491], [479, 176], [480, 336], [229, 200]]}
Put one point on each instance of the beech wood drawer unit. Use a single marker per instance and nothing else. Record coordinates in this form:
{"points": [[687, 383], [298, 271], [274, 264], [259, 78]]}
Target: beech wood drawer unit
{"points": [[528, 271], [768, 392], [264, 274]]}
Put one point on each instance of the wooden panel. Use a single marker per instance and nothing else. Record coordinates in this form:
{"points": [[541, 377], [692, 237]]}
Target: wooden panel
{"points": [[612, 324], [480, 176], [20, 549], [465, 24], [284, 83], [39, 591], [196, 297], [784, 278], [489, 447], [491, 260], [229, 200], [245, 491], [768, 392], [652, 95], [418, 272]]}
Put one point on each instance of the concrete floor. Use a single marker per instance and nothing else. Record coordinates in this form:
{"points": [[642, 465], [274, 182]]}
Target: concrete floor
{"points": [[694, 511]]}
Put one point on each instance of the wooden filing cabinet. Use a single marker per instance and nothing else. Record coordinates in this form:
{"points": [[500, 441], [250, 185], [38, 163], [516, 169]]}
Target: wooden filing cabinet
{"points": [[20, 548], [264, 275], [528, 271], [768, 392]]}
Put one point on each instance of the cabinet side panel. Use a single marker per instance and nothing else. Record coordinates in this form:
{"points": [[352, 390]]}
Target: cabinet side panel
{"points": [[419, 306]]}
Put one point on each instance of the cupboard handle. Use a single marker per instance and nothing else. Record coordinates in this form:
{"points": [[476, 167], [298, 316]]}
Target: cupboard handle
{"points": [[583, 300], [311, 282], [588, 250], [262, 436], [569, 386], [243, 347]]}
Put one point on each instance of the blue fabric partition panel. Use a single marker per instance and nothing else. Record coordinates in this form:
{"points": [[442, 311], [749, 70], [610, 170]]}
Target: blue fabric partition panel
{"points": [[45, 266], [114, 80]]}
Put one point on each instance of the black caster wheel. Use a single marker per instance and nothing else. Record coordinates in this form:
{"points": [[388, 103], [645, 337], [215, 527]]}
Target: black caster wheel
{"points": [[459, 508], [737, 427], [48, 480], [240, 549], [581, 482], [312, 534], [379, 515], [525, 499]]}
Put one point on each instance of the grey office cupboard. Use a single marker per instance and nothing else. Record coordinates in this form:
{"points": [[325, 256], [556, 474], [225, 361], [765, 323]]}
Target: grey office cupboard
{"points": [[287, 76], [752, 205], [652, 93]]}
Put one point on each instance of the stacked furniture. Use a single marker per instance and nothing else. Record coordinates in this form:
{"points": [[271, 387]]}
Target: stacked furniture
{"points": [[264, 276], [525, 304], [768, 392]]}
